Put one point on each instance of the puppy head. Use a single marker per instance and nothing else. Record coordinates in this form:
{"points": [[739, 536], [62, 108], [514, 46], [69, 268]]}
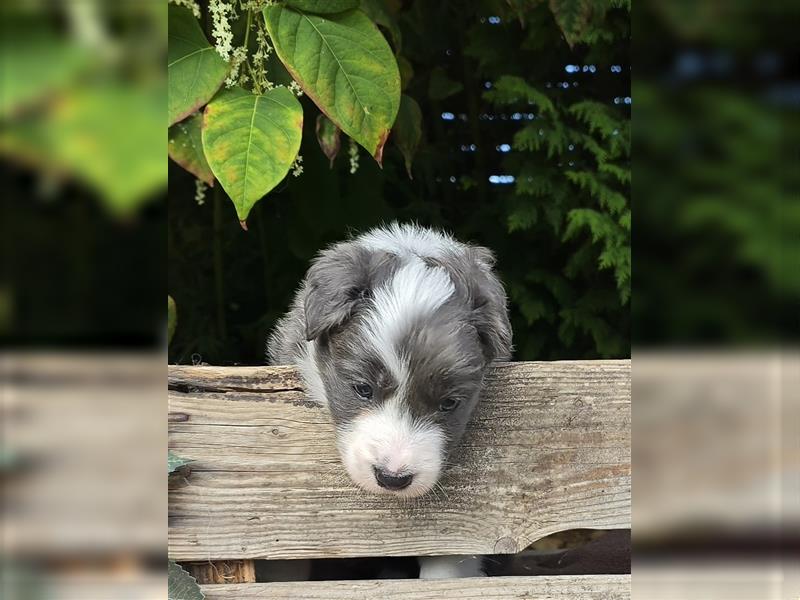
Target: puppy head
{"points": [[402, 344]]}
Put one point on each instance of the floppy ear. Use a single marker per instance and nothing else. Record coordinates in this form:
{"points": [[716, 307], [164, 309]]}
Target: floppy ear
{"points": [[339, 279], [489, 307]]}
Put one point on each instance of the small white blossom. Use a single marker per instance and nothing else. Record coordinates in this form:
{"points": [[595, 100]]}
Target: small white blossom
{"points": [[295, 88], [221, 14], [260, 58], [238, 56], [190, 4], [353, 152], [200, 188], [297, 166]]}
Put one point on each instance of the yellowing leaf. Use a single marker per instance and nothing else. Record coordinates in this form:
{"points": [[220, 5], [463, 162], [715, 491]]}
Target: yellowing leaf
{"points": [[345, 66], [186, 148], [251, 141], [195, 69], [81, 135]]}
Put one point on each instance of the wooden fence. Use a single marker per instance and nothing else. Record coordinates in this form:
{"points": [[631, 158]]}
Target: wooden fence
{"points": [[548, 450]]}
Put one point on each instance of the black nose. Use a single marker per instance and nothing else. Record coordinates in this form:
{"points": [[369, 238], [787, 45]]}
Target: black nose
{"points": [[391, 481]]}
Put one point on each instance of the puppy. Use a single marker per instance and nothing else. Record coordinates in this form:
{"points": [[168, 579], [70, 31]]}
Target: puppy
{"points": [[393, 332]]}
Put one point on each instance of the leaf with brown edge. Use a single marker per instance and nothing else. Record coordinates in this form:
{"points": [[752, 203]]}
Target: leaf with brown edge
{"points": [[408, 130], [329, 138], [251, 141], [195, 70], [186, 148], [345, 66]]}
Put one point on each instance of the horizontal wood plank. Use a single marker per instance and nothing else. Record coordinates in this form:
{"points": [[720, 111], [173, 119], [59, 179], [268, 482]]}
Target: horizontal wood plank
{"points": [[576, 587], [548, 450]]}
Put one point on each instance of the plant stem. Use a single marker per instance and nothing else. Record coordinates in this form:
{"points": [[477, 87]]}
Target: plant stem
{"points": [[219, 290]]}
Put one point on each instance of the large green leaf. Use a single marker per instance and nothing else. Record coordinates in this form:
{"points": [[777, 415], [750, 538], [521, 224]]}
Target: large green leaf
{"points": [[99, 134], [181, 585], [186, 148], [251, 141], [345, 66], [408, 129], [35, 63], [196, 71], [323, 7]]}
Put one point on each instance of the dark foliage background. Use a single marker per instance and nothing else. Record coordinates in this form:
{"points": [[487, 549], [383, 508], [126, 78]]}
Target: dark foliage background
{"points": [[526, 149]]}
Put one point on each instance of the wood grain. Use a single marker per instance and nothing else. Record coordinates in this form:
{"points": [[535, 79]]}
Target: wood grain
{"points": [[548, 450], [576, 587], [222, 571]]}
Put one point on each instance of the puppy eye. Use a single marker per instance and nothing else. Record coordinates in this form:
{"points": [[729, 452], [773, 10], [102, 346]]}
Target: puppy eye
{"points": [[448, 404], [364, 390]]}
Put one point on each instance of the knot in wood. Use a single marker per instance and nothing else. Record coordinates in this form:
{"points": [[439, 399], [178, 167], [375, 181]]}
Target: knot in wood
{"points": [[505, 545]]}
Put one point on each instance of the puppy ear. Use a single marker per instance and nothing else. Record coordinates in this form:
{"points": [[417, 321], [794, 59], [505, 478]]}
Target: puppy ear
{"points": [[489, 308], [339, 279]]}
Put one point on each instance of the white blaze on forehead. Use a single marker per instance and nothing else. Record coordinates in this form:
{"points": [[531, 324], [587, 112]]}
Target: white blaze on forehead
{"points": [[414, 292], [410, 240], [389, 438]]}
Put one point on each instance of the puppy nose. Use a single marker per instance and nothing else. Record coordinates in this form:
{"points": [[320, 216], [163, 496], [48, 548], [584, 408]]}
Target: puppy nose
{"points": [[392, 481]]}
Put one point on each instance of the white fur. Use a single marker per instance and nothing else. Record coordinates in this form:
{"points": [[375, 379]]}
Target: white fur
{"points": [[308, 369], [415, 291], [450, 567], [390, 438], [407, 239]]}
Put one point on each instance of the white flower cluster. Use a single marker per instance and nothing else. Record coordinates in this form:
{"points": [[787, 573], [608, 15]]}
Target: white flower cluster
{"points": [[221, 15], [295, 88], [238, 56], [353, 152], [260, 57], [297, 166], [200, 188], [190, 4]]}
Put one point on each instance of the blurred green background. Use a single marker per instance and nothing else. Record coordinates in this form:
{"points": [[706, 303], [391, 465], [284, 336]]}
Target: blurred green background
{"points": [[526, 149]]}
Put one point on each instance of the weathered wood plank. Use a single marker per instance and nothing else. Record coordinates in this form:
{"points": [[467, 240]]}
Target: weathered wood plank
{"points": [[576, 587], [548, 450]]}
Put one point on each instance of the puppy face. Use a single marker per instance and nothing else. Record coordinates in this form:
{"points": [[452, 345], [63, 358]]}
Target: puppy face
{"points": [[401, 345]]}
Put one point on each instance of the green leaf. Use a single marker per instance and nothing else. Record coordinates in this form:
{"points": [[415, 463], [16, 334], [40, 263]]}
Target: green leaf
{"points": [[186, 148], [181, 585], [81, 135], [175, 462], [407, 129], [322, 7], [172, 318], [406, 72], [251, 141], [380, 15], [329, 137], [35, 63], [572, 17], [441, 86], [195, 69], [345, 66]]}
